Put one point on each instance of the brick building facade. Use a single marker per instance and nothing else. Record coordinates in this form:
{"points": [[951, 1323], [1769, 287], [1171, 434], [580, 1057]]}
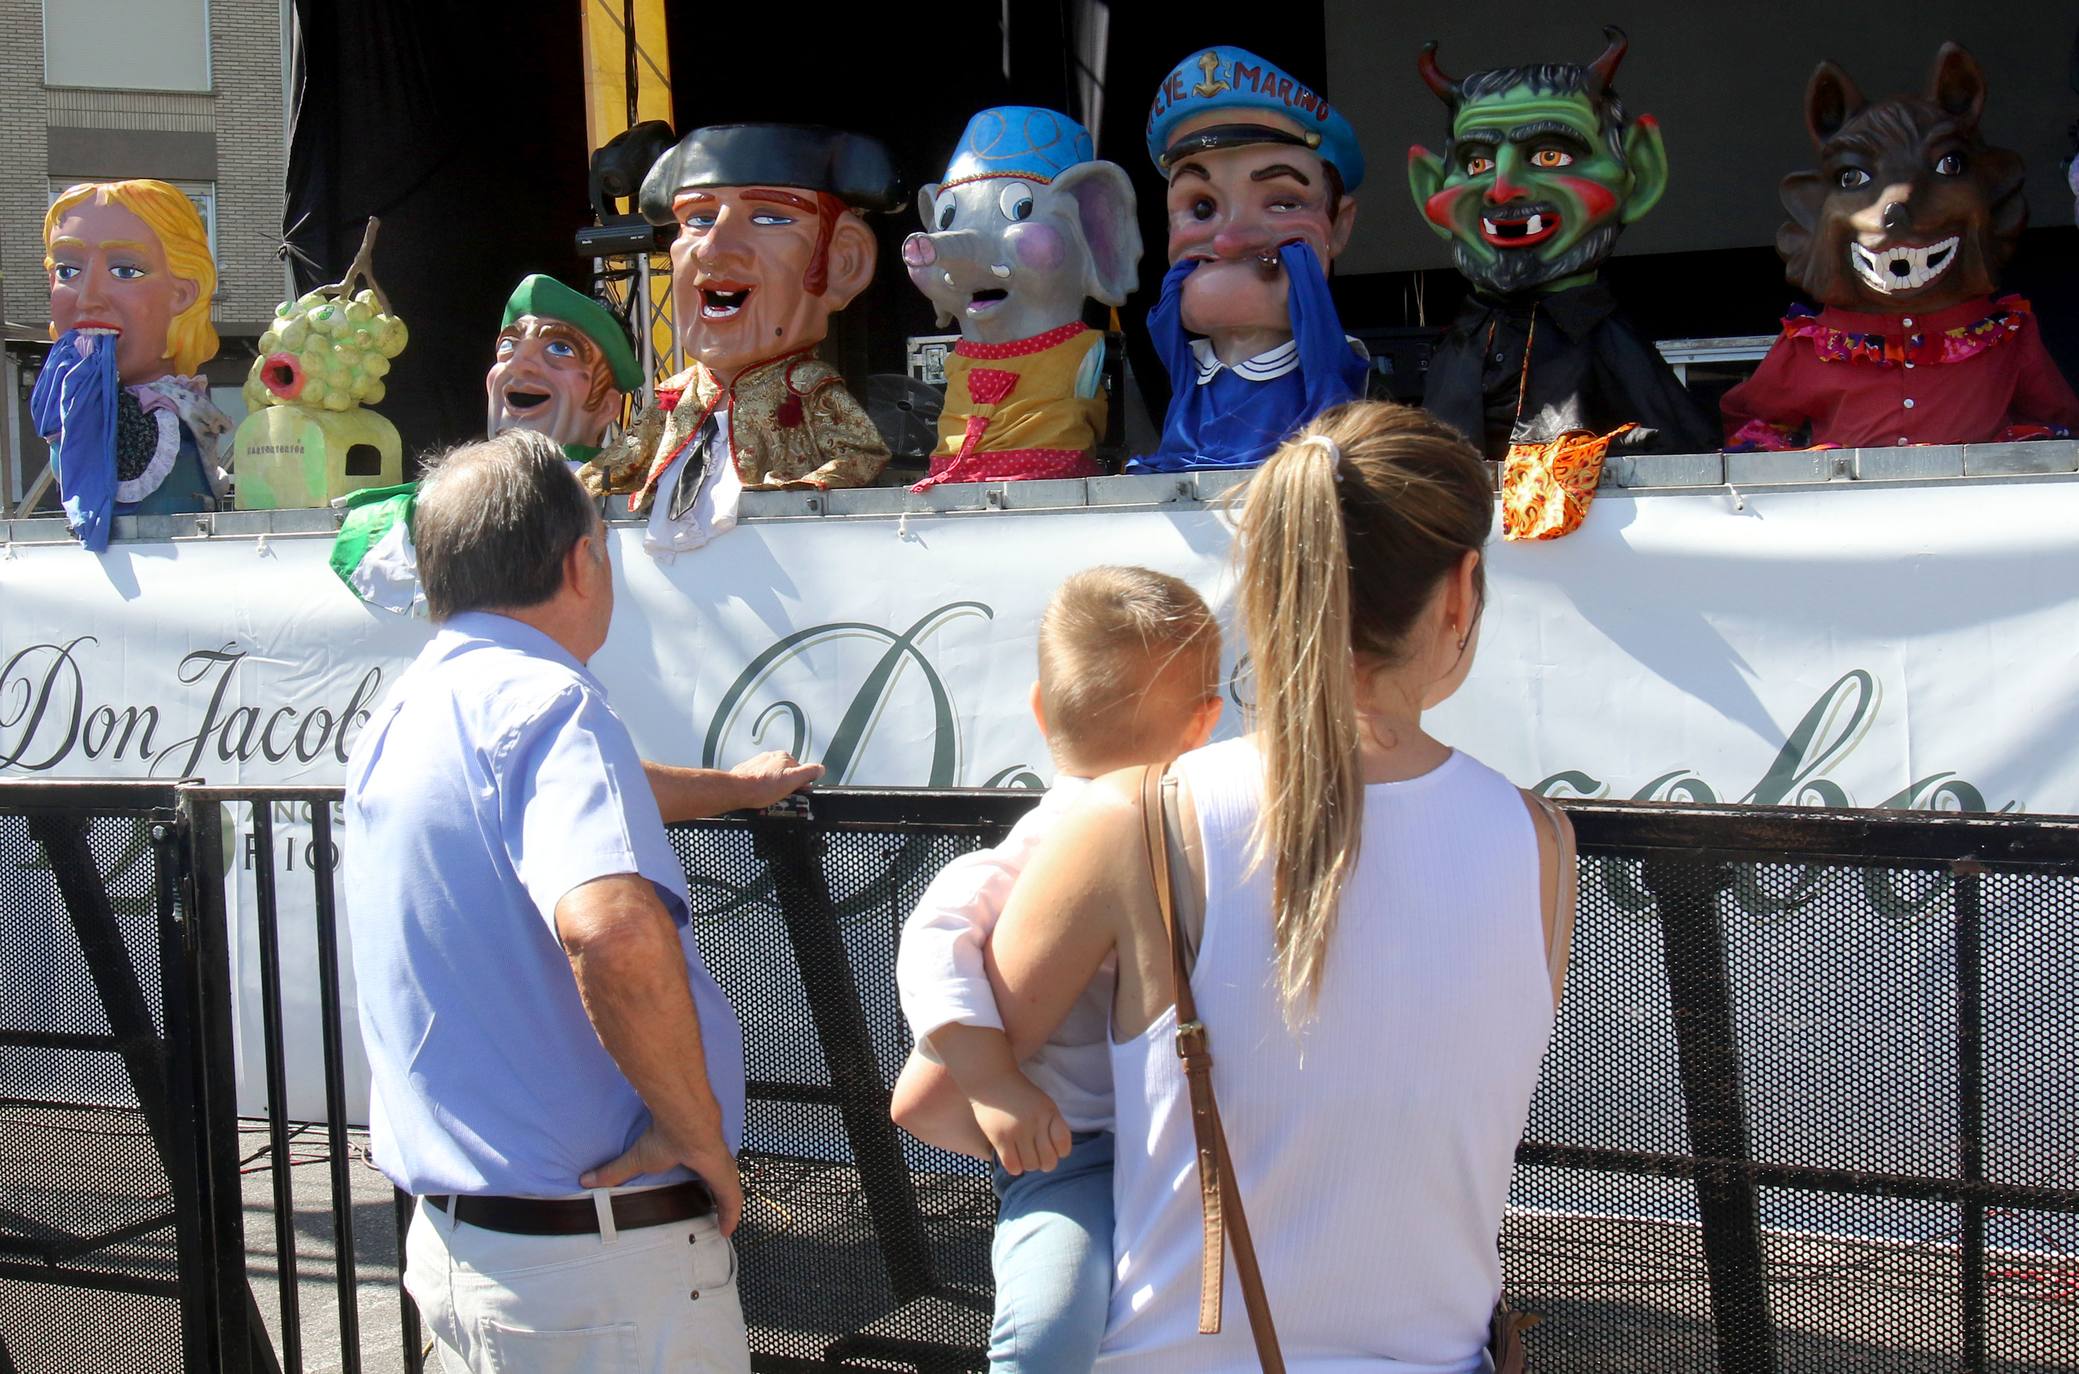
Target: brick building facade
{"points": [[211, 122]]}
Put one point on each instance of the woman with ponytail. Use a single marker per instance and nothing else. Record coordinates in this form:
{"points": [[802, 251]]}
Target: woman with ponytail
{"points": [[1375, 924]]}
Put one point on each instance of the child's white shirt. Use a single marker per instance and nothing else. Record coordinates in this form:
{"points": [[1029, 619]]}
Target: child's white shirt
{"points": [[940, 975]]}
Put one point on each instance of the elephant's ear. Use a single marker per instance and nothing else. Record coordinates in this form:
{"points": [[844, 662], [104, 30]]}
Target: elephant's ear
{"points": [[1111, 228]]}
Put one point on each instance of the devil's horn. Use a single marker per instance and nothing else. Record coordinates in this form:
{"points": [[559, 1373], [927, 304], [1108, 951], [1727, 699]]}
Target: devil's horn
{"points": [[1605, 67], [1444, 85]]}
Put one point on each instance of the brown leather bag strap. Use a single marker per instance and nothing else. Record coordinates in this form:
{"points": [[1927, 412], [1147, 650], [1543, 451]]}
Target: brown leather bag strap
{"points": [[1220, 1200]]}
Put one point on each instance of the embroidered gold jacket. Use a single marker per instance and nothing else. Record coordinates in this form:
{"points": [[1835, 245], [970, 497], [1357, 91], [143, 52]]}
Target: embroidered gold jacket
{"points": [[791, 424]]}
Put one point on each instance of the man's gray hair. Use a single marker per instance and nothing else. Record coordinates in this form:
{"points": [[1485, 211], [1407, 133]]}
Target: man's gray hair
{"points": [[494, 521]]}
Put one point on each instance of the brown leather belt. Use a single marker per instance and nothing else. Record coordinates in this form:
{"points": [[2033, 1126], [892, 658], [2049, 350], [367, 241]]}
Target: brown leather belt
{"points": [[537, 1216]]}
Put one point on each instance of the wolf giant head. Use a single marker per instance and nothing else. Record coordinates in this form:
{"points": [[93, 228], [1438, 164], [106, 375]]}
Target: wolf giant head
{"points": [[1909, 210]]}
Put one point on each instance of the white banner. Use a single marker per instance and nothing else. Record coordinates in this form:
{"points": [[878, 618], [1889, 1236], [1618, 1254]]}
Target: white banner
{"points": [[1856, 646], [1905, 646]]}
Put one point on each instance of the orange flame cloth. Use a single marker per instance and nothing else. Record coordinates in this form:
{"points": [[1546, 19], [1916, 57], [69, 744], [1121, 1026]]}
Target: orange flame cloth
{"points": [[1547, 488]]}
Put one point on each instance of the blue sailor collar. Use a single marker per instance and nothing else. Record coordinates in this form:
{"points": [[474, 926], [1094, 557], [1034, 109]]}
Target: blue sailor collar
{"points": [[1266, 366]]}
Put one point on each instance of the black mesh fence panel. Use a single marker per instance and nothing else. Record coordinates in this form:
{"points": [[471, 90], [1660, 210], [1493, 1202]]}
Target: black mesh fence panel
{"points": [[1806, 1112], [1812, 1101], [858, 1243], [1750, 1149], [89, 1262]]}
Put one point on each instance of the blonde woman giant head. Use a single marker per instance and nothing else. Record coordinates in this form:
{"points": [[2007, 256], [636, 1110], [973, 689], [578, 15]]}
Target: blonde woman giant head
{"points": [[133, 257]]}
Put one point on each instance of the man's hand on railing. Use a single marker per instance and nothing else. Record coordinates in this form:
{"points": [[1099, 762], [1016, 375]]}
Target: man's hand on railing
{"points": [[692, 794], [773, 775]]}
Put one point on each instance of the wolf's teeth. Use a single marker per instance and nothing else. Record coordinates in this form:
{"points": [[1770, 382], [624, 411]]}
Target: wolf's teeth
{"points": [[1902, 269], [1533, 225], [1488, 225]]}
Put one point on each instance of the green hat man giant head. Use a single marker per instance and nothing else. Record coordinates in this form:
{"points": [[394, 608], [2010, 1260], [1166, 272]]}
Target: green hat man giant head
{"points": [[1542, 172], [562, 365]]}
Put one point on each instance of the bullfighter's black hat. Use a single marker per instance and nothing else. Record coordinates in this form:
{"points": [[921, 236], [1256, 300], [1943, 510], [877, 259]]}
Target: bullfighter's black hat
{"points": [[853, 167]]}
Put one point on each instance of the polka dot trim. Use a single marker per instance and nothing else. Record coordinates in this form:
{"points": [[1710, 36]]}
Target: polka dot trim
{"points": [[1018, 348], [1011, 465]]}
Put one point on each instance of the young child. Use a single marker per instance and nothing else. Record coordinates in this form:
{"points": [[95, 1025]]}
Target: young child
{"points": [[1129, 668]]}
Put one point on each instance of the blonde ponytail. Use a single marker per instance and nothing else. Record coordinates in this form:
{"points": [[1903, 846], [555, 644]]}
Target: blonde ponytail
{"points": [[1345, 535], [1296, 604]]}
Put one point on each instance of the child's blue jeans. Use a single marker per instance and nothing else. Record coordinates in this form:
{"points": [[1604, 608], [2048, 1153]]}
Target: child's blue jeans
{"points": [[1053, 1261]]}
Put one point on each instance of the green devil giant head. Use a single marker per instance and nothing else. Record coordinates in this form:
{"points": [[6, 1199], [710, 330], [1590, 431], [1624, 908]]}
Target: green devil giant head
{"points": [[1543, 170]]}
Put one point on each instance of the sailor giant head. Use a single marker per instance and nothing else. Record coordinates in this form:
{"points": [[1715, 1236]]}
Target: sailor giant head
{"points": [[1255, 160]]}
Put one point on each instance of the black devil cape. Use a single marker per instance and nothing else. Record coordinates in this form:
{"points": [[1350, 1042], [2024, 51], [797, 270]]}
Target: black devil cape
{"points": [[1589, 369]]}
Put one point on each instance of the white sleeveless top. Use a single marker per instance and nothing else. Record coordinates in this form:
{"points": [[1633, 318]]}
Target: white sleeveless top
{"points": [[1373, 1149]]}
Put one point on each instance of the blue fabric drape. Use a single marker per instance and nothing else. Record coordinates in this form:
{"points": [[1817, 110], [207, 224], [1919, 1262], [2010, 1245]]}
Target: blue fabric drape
{"points": [[1232, 421], [74, 408]]}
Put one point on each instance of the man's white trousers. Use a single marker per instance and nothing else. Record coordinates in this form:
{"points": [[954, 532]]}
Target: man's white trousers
{"points": [[646, 1301]]}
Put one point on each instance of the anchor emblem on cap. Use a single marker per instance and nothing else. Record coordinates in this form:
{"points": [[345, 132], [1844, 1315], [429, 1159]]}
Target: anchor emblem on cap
{"points": [[1209, 63]]}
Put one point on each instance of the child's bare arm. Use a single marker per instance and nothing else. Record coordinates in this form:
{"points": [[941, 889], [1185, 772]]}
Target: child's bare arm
{"points": [[930, 1106], [1022, 1124]]}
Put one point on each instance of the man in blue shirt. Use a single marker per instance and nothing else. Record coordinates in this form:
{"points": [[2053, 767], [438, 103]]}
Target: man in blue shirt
{"points": [[555, 1074]]}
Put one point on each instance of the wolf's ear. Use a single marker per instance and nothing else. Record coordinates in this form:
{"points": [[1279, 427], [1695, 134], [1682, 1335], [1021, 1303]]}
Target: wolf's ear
{"points": [[1831, 100], [1958, 85]]}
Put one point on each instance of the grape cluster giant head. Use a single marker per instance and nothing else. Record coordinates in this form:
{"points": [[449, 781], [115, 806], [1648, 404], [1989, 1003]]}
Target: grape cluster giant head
{"points": [[326, 351]]}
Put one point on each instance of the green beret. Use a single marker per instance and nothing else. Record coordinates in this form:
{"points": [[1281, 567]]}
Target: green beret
{"points": [[551, 299]]}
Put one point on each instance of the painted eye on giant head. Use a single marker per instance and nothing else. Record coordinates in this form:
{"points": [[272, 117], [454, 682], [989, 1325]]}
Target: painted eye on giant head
{"points": [[698, 222], [1478, 164], [770, 218], [1549, 157], [124, 271], [1204, 208], [947, 208], [1851, 178], [1950, 165], [506, 345], [65, 271], [560, 348], [1016, 201]]}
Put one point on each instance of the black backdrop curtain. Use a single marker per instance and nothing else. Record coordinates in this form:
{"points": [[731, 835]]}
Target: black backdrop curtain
{"points": [[462, 127]]}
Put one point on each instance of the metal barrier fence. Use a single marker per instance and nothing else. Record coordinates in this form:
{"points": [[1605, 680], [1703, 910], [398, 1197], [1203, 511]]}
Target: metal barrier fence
{"points": [[1809, 1103], [120, 1247]]}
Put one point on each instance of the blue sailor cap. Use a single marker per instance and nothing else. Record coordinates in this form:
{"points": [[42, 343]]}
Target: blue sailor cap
{"points": [[1018, 141], [1231, 80]]}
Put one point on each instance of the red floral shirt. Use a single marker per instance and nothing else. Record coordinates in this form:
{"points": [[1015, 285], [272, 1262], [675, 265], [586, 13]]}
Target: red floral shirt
{"points": [[1972, 373]]}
